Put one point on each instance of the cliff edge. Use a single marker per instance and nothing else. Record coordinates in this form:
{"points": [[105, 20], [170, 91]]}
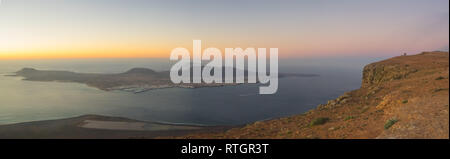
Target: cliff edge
{"points": [[401, 97]]}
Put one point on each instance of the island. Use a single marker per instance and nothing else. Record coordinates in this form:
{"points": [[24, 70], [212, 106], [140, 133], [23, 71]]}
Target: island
{"points": [[136, 80]]}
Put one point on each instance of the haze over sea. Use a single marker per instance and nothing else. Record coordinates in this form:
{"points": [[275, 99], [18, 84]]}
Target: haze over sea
{"points": [[23, 101]]}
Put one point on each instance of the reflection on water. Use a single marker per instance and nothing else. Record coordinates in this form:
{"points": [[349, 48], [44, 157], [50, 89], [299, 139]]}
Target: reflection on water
{"points": [[22, 101]]}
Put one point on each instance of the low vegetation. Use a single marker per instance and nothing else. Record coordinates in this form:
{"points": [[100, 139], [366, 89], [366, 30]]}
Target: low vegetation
{"points": [[390, 122], [441, 89], [319, 121], [348, 118]]}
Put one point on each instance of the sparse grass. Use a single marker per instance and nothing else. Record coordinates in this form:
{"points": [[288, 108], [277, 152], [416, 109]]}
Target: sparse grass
{"points": [[390, 122], [440, 78], [319, 121], [348, 118], [406, 91], [405, 101]]}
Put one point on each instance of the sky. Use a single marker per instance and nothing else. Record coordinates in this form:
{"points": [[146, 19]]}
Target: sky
{"points": [[152, 28]]}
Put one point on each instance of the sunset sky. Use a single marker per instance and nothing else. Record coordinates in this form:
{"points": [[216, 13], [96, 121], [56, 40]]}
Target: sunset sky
{"points": [[152, 28]]}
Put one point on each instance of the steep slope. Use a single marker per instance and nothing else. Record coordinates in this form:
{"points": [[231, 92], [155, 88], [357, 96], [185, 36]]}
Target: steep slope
{"points": [[401, 97]]}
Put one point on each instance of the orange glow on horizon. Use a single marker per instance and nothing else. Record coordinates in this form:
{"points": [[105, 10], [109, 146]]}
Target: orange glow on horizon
{"points": [[54, 54]]}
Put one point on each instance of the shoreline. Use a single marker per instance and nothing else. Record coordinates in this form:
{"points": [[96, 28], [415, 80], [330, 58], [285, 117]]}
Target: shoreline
{"points": [[97, 126]]}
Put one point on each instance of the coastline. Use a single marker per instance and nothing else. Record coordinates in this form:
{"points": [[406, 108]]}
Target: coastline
{"points": [[99, 127], [386, 106]]}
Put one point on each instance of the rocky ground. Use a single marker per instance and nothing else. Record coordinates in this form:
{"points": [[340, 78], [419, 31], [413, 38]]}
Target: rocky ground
{"points": [[401, 97]]}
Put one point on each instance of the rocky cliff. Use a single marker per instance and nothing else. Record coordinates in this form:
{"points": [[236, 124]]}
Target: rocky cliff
{"points": [[401, 97]]}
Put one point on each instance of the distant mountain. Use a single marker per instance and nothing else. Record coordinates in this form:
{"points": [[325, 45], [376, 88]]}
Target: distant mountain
{"points": [[145, 71]]}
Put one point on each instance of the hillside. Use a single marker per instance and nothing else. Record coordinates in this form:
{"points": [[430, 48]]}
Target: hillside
{"points": [[401, 97]]}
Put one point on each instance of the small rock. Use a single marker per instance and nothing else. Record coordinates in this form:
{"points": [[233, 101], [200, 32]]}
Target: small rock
{"points": [[346, 96], [331, 102]]}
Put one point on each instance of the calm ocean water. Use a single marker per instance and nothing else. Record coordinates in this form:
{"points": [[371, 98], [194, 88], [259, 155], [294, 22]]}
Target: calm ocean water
{"points": [[22, 101]]}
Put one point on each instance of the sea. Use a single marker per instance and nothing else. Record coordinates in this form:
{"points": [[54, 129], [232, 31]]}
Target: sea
{"points": [[24, 101]]}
